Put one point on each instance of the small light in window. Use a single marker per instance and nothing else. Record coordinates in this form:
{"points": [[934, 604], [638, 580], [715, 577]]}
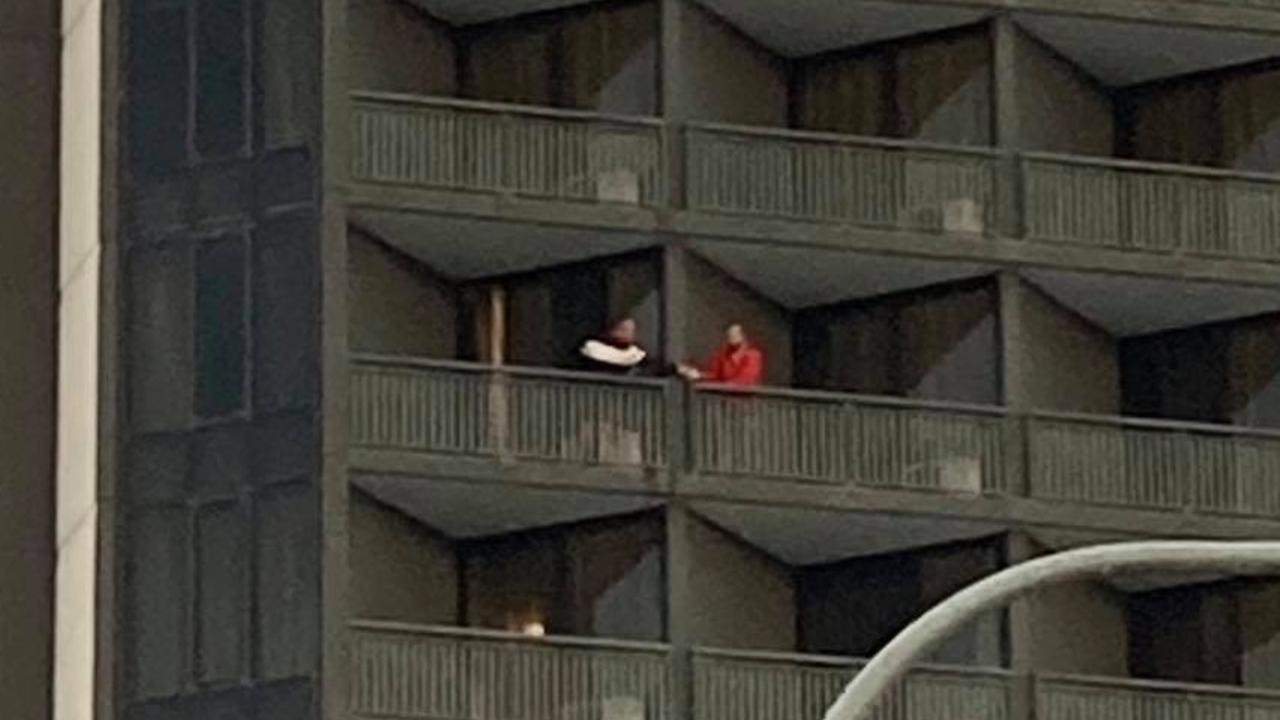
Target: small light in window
{"points": [[534, 629]]}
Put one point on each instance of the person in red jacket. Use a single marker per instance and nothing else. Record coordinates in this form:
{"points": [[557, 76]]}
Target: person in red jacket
{"points": [[737, 362]]}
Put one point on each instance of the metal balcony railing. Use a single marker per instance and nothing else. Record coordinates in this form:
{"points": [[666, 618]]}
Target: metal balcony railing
{"points": [[406, 672], [452, 408], [520, 413], [1077, 698], [1126, 462], [840, 178], [853, 439], [430, 142], [509, 149], [1151, 207], [415, 672], [741, 685]]}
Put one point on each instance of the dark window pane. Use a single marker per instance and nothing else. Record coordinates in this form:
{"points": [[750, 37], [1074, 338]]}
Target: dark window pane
{"points": [[220, 82], [220, 327], [158, 89]]}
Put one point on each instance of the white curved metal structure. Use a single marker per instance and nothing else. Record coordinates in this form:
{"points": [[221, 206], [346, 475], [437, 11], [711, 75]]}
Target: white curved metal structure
{"points": [[1229, 558]]}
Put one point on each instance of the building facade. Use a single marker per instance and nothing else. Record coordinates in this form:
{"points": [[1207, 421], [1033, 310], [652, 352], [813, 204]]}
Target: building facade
{"points": [[323, 449]]}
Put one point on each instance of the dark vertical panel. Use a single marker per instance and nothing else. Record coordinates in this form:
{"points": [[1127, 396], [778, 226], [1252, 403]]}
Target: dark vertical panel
{"points": [[579, 298], [221, 65], [285, 311], [157, 596], [158, 327], [1179, 375], [158, 89], [1164, 639], [287, 597], [222, 571], [811, 336], [220, 327], [284, 449], [155, 469], [219, 462], [288, 80]]}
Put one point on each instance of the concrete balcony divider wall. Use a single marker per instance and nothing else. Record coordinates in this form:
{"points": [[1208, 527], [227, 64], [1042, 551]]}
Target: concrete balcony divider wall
{"points": [[455, 409], [1152, 208]]}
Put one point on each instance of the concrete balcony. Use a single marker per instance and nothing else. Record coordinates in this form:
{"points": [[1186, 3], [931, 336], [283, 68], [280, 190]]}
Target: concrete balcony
{"points": [[835, 178], [418, 159], [1067, 698], [421, 418], [409, 672], [842, 439], [555, 418], [507, 149], [1127, 462], [746, 685], [1151, 208], [405, 672]]}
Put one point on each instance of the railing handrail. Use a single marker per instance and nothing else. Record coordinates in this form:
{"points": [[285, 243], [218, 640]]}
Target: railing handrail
{"points": [[827, 396], [837, 397], [500, 108], [782, 133], [840, 661], [1144, 166], [1162, 686], [527, 371], [1157, 424], [505, 636]]}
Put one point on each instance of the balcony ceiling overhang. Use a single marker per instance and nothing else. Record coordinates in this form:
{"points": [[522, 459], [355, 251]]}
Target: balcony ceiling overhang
{"points": [[461, 248], [798, 278], [464, 510], [1127, 305], [472, 12], [804, 536], [796, 28], [1116, 52], [1120, 53]]}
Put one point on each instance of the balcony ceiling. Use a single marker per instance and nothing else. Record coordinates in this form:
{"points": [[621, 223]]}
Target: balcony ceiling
{"points": [[1127, 305], [796, 28], [1125, 53], [804, 277], [800, 536], [471, 12], [461, 248], [463, 510]]}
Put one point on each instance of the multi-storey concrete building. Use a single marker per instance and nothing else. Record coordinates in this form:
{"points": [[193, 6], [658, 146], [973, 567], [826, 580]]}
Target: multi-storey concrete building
{"points": [[323, 268]]}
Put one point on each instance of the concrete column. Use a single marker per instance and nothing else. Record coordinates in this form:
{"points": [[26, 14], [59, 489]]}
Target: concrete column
{"points": [[670, 108], [1006, 118], [1012, 369], [680, 631], [29, 49]]}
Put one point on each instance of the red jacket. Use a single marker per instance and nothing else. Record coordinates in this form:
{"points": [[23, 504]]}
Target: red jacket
{"points": [[743, 367]]}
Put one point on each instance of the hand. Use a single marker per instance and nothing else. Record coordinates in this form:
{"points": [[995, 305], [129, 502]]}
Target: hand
{"points": [[688, 372]]}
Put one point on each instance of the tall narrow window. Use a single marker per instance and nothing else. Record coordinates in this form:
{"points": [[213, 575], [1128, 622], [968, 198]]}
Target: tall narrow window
{"points": [[220, 327], [158, 86], [221, 66]]}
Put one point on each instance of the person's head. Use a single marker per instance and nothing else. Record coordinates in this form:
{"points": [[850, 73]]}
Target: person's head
{"points": [[735, 335], [624, 330]]}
